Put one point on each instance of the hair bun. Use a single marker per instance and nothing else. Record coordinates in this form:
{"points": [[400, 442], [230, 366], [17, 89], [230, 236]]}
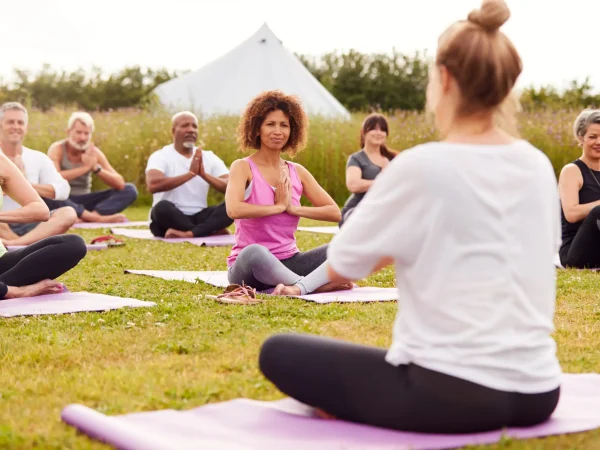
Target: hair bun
{"points": [[492, 15]]}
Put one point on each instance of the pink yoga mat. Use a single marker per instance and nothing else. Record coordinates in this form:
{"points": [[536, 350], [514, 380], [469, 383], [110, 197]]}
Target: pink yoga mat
{"points": [[219, 279], [66, 302], [325, 230], [286, 424], [94, 225], [89, 247], [209, 241]]}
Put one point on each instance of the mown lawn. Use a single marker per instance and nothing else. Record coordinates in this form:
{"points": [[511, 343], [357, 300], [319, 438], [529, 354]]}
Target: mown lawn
{"points": [[188, 351]]}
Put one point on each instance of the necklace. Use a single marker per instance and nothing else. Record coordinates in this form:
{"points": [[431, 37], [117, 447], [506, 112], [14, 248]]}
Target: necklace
{"points": [[595, 179]]}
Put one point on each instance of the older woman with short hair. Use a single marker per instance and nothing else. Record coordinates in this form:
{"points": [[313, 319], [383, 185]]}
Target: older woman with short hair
{"points": [[579, 187]]}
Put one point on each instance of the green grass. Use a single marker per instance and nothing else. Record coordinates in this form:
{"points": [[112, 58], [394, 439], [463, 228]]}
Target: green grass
{"points": [[188, 351]]}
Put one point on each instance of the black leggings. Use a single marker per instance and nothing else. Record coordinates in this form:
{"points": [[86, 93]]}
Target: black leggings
{"points": [[355, 383], [583, 252], [166, 215], [46, 259]]}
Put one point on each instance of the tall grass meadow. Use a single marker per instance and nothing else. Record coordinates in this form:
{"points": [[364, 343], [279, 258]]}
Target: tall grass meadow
{"points": [[128, 137]]}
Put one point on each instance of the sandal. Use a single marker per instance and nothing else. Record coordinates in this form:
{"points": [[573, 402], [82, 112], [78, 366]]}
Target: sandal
{"points": [[238, 295], [109, 240]]}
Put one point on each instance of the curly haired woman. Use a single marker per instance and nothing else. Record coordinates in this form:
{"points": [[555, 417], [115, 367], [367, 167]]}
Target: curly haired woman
{"points": [[263, 197]]}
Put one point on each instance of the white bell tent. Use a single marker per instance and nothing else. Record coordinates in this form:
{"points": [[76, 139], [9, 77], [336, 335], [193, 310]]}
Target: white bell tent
{"points": [[226, 85]]}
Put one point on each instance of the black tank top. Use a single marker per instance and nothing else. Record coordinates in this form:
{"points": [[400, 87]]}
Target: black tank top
{"points": [[589, 192]]}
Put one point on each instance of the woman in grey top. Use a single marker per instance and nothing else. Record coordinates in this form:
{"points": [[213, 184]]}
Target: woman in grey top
{"points": [[364, 165]]}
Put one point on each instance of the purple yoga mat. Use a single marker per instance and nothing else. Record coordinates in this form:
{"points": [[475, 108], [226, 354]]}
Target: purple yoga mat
{"points": [[66, 302], [89, 247], [209, 241], [324, 230], [94, 225], [286, 424], [219, 279]]}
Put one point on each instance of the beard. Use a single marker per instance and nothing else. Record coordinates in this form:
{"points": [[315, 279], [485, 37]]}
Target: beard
{"points": [[189, 144], [81, 147]]}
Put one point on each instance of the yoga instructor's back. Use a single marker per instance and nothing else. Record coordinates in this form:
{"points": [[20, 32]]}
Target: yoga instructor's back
{"points": [[471, 224]]}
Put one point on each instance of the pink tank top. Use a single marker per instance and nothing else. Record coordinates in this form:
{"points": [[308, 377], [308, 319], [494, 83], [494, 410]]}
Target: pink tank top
{"points": [[276, 233]]}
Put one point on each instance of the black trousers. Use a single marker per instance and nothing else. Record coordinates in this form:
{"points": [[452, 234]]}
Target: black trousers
{"points": [[583, 252], [165, 215], [45, 259], [105, 203], [355, 383]]}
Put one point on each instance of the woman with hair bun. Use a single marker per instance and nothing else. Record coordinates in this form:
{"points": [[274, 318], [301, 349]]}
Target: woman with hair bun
{"points": [[471, 226]]}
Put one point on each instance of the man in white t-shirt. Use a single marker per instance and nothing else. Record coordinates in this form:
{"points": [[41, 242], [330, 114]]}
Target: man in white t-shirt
{"points": [[179, 176], [40, 172]]}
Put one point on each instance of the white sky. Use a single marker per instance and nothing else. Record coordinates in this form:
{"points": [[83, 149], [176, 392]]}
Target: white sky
{"points": [[555, 37]]}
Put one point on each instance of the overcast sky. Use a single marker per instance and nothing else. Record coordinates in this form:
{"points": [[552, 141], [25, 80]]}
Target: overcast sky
{"points": [[555, 37]]}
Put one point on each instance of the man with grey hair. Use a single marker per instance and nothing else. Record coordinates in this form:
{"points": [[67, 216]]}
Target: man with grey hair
{"points": [[40, 172], [77, 159], [179, 176]]}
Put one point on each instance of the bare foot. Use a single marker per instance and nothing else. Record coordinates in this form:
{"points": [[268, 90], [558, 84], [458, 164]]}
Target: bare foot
{"points": [[334, 286], [93, 216], [33, 290], [281, 289], [173, 233], [113, 218]]}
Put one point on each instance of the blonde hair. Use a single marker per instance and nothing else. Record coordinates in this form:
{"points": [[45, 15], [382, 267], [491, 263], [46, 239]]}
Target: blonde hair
{"points": [[482, 60]]}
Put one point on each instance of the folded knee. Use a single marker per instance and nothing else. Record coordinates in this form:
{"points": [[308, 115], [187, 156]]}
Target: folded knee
{"points": [[272, 353], [131, 191], [254, 253], [66, 216], [164, 207], [74, 246], [595, 212]]}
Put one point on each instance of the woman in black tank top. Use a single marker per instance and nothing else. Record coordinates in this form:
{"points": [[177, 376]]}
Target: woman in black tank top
{"points": [[579, 186]]}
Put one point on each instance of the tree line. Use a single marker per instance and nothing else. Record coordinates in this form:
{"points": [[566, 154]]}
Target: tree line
{"points": [[361, 82]]}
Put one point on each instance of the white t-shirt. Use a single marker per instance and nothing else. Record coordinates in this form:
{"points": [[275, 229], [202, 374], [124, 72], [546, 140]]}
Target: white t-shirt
{"points": [[39, 169], [473, 231], [191, 197]]}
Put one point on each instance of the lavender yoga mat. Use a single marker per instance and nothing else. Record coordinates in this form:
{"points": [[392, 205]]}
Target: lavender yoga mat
{"points": [[89, 247], [326, 230], [209, 241], [219, 279], [287, 424], [94, 225], [66, 302]]}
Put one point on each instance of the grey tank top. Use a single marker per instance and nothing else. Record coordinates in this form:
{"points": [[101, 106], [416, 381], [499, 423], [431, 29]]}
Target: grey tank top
{"points": [[369, 172], [80, 185]]}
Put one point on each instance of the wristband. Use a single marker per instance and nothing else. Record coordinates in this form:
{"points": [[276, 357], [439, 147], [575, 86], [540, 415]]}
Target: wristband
{"points": [[98, 169]]}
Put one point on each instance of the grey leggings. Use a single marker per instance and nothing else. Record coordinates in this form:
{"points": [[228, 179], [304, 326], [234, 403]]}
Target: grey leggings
{"points": [[257, 267]]}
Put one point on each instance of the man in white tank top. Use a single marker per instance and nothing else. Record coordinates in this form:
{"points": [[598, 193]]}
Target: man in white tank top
{"points": [[78, 159], [42, 175]]}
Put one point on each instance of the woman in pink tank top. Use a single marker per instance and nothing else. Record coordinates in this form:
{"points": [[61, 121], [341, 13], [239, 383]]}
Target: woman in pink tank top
{"points": [[263, 197]]}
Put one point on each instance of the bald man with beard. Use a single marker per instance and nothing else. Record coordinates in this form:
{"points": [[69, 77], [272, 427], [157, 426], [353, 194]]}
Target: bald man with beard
{"points": [[179, 176]]}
